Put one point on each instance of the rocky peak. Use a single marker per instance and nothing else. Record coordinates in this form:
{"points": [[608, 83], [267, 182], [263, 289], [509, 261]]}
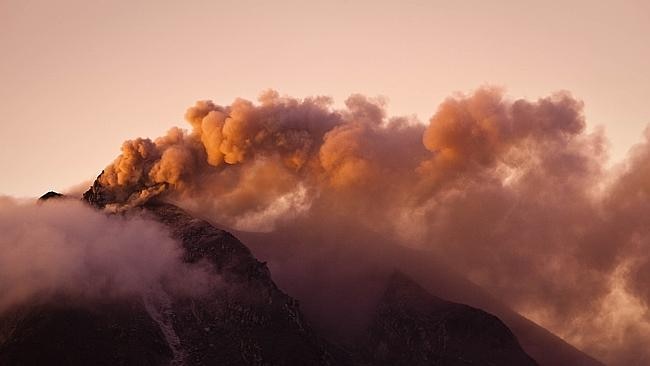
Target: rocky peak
{"points": [[98, 195]]}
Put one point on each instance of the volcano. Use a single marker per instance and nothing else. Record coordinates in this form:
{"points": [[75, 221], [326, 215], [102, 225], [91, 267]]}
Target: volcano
{"points": [[251, 320]]}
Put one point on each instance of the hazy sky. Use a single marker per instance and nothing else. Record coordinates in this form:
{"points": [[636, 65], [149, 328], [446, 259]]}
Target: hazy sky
{"points": [[79, 77]]}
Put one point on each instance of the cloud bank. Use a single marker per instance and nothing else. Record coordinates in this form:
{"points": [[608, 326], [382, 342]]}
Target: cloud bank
{"points": [[64, 248]]}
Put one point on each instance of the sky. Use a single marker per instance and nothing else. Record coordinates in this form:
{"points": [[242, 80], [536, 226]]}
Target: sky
{"points": [[79, 77]]}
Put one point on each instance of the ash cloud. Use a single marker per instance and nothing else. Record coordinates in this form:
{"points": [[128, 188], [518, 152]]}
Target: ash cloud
{"points": [[64, 248], [515, 194]]}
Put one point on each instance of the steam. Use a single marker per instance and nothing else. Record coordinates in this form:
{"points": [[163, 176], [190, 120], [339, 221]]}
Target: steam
{"points": [[65, 248], [513, 193]]}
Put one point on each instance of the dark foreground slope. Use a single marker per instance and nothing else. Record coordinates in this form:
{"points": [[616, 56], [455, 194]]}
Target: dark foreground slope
{"points": [[247, 320], [82, 334]]}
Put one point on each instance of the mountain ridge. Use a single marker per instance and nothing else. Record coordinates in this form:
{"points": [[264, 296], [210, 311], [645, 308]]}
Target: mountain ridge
{"points": [[249, 321]]}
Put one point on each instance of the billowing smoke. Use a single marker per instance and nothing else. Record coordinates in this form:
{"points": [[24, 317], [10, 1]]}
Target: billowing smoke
{"points": [[63, 249], [514, 194]]}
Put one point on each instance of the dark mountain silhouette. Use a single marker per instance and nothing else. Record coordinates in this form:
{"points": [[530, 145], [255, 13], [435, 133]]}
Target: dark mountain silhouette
{"points": [[412, 327], [248, 320]]}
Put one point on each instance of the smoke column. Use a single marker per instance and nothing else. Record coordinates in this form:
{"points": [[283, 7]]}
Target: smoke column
{"points": [[515, 194]]}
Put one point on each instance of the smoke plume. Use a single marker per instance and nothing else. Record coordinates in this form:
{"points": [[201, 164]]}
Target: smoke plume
{"points": [[515, 194]]}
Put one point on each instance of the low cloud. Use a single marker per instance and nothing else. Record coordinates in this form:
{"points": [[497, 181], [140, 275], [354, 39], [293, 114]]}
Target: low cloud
{"points": [[66, 248]]}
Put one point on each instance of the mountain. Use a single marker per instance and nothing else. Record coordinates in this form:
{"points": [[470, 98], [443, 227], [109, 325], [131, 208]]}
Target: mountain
{"points": [[343, 268], [251, 321], [412, 327], [248, 320]]}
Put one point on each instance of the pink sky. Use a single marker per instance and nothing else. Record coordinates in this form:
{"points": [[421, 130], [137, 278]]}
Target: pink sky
{"points": [[79, 77]]}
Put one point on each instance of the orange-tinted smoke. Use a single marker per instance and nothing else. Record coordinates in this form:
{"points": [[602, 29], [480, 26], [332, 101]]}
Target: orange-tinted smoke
{"points": [[515, 194]]}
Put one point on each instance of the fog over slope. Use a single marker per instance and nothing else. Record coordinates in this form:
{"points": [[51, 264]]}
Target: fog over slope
{"points": [[515, 194], [64, 248]]}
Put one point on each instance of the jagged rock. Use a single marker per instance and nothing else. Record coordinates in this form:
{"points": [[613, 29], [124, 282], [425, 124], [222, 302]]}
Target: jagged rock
{"points": [[98, 195]]}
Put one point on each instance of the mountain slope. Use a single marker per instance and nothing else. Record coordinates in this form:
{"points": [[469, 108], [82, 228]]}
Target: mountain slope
{"points": [[246, 320], [362, 273], [412, 327], [68, 333], [249, 321]]}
